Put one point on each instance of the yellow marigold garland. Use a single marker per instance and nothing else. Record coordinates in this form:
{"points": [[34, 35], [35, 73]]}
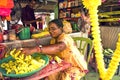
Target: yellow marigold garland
{"points": [[92, 6], [114, 62], [91, 3]]}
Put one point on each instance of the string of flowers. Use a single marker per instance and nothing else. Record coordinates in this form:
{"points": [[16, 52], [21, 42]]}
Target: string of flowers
{"points": [[92, 6], [114, 62]]}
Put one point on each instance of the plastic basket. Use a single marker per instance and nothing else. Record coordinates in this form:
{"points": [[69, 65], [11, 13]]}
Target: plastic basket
{"points": [[42, 56]]}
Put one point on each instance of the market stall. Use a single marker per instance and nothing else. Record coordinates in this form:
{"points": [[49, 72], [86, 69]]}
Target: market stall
{"points": [[25, 36]]}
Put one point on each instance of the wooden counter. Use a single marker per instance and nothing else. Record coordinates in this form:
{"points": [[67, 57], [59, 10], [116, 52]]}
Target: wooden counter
{"points": [[27, 43], [36, 42]]}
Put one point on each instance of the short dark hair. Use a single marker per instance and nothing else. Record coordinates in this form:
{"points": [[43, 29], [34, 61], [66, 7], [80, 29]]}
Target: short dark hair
{"points": [[31, 0], [58, 22]]}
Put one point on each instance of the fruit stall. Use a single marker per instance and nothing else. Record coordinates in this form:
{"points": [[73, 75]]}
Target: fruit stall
{"points": [[104, 34], [39, 72], [14, 64]]}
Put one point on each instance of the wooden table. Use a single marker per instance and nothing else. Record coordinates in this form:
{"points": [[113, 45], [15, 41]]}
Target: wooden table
{"points": [[48, 70]]}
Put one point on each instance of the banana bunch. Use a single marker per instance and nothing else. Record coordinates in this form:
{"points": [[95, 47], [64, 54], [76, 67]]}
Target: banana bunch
{"points": [[41, 34], [22, 64]]}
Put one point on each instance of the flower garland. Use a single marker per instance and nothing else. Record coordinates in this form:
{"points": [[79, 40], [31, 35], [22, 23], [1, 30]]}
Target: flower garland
{"points": [[92, 6], [114, 62]]}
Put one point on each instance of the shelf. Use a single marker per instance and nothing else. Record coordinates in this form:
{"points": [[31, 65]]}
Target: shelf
{"points": [[67, 18], [69, 9]]}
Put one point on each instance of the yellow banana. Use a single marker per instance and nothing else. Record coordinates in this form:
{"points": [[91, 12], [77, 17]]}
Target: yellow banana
{"points": [[8, 71], [3, 65], [11, 52], [17, 54], [41, 34], [28, 57], [21, 56], [57, 59]]}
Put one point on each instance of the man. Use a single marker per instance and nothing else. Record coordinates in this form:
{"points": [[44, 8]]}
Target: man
{"points": [[27, 14]]}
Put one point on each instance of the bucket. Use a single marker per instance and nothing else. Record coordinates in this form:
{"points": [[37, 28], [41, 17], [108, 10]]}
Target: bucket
{"points": [[24, 33]]}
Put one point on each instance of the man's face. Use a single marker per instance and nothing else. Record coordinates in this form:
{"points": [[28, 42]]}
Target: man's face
{"points": [[32, 4]]}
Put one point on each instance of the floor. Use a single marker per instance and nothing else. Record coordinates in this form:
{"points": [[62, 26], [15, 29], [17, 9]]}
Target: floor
{"points": [[92, 75]]}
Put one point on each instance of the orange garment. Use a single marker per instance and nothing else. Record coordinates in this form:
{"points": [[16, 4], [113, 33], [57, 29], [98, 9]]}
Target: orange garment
{"points": [[3, 2], [6, 4], [72, 55]]}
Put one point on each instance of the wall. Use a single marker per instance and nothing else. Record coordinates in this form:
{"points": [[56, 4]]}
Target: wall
{"points": [[109, 36]]}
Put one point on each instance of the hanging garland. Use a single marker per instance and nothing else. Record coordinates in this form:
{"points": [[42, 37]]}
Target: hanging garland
{"points": [[105, 74]]}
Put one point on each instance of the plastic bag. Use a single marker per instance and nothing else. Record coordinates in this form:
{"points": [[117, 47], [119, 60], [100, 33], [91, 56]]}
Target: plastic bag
{"points": [[5, 11]]}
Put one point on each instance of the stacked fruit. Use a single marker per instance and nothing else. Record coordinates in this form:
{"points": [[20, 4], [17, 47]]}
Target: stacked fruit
{"points": [[21, 64], [41, 34]]}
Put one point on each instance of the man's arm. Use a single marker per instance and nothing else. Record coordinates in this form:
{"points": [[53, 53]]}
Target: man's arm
{"points": [[25, 17], [32, 21]]}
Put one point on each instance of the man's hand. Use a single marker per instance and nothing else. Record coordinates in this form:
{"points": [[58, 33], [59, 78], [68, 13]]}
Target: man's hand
{"points": [[32, 21]]}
